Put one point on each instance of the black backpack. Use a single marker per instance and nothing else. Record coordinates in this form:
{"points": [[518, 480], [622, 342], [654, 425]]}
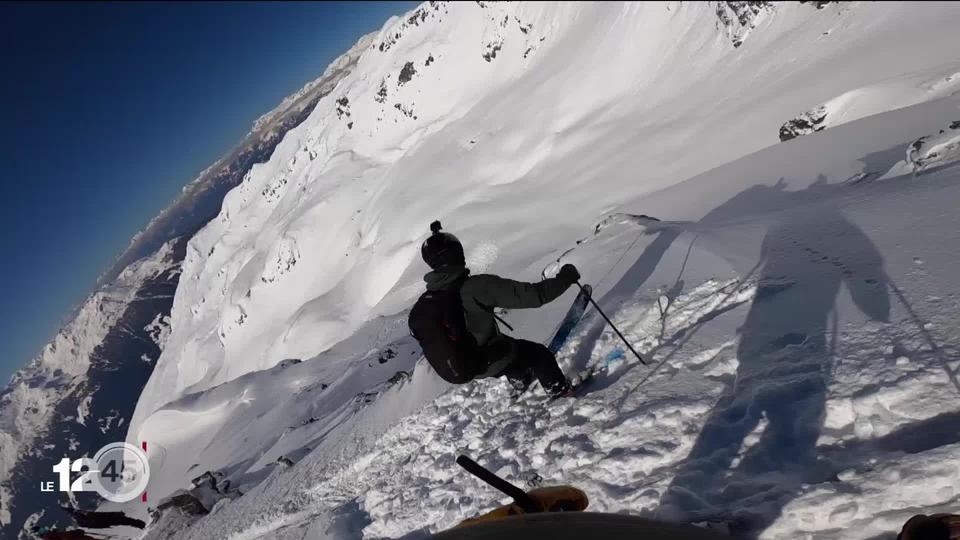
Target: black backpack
{"points": [[438, 324]]}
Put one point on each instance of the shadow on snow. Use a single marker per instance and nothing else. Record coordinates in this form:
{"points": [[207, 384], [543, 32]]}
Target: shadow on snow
{"points": [[785, 351]]}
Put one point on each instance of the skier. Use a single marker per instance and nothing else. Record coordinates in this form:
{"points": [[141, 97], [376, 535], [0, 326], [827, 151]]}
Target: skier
{"points": [[455, 323]]}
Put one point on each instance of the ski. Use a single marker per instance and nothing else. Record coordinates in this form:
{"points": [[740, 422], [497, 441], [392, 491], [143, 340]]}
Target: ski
{"points": [[570, 320], [567, 324]]}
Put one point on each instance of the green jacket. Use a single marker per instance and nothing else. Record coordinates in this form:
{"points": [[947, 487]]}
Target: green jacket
{"points": [[483, 292]]}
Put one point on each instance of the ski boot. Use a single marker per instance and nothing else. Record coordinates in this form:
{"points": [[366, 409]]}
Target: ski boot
{"points": [[563, 390], [519, 385]]}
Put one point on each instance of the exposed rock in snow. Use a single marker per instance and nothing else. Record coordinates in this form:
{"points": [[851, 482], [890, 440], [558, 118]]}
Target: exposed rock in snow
{"points": [[820, 4], [289, 362], [83, 410], [381, 95], [737, 19], [406, 74], [431, 10], [106, 422], [307, 96], [386, 354], [894, 93], [159, 329], [935, 150], [491, 49], [407, 111], [185, 502], [32, 521], [211, 487], [808, 122], [343, 108], [397, 378], [173, 514]]}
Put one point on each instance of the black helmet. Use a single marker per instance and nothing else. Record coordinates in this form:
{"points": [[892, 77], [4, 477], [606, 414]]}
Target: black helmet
{"points": [[442, 249]]}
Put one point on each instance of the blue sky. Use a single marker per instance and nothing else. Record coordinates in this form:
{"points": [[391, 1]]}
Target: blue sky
{"points": [[109, 109]]}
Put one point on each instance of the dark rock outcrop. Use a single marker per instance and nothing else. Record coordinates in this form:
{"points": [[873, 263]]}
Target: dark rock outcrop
{"points": [[183, 501], [808, 122], [820, 4], [406, 74]]}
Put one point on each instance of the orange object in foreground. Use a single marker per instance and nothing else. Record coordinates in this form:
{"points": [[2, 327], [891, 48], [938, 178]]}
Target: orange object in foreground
{"points": [[548, 499]]}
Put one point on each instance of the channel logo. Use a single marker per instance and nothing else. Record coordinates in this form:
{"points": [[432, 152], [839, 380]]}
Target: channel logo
{"points": [[118, 472]]}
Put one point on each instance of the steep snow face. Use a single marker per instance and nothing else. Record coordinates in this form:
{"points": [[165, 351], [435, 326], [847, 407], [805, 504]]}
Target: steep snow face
{"points": [[801, 339], [520, 126], [510, 120], [28, 403]]}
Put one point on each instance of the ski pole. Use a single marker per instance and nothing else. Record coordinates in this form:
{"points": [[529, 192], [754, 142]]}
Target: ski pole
{"points": [[519, 496], [615, 329], [952, 375]]}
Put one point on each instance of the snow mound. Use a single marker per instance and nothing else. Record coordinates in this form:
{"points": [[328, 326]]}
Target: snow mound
{"points": [[888, 95], [935, 150]]}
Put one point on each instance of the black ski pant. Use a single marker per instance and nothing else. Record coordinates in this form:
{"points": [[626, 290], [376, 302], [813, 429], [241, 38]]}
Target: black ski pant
{"points": [[515, 358]]}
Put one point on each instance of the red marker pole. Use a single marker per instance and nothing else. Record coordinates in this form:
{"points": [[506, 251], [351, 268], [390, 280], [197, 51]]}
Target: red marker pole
{"points": [[143, 497]]}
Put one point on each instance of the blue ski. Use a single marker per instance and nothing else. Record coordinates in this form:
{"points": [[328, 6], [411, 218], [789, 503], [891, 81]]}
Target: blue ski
{"points": [[573, 316]]}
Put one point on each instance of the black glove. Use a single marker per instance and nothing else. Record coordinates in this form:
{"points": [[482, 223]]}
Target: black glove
{"points": [[568, 273]]}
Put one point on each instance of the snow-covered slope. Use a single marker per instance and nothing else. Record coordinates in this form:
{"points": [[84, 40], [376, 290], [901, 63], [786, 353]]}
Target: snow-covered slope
{"points": [[522, 126], [200, 199], [840, 331], [312, 242]]}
